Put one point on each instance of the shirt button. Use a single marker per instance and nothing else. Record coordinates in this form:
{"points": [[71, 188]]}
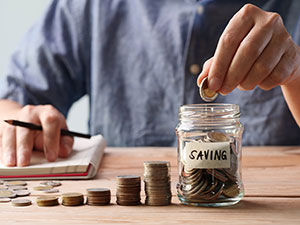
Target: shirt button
{"points": [[195, 69], [200, 9]]}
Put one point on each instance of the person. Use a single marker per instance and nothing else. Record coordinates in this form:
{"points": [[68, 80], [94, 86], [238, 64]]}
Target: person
{"points": [[139, 61]]}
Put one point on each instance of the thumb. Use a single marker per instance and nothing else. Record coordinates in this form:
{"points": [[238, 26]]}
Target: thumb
{"points": [[205, 71], [66, 144]]}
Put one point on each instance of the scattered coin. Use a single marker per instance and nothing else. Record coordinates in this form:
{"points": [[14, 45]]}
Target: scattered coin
{"points": [[21, 202], [5, 200], [7, 194], [47, 201], [17, 188], [22, 193], [205, 93], [42, 188], [157, 181], [15, 183], [72, 199], [51, 183], [52, 190]]}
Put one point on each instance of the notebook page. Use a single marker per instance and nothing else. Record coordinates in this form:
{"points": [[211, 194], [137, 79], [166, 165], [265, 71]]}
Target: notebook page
{"points": [[84, 152]]}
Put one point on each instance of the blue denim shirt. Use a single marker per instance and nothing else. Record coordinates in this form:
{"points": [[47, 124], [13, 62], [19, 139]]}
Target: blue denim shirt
{"points": [[138, 61]]}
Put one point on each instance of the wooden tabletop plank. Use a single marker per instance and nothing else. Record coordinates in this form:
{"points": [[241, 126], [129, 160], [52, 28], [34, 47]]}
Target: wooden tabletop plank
{"points": [[271, 176], [249, 211]]}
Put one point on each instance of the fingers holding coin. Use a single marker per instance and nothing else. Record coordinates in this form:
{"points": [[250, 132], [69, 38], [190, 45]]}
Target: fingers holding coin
{"points": [[254, 50]]}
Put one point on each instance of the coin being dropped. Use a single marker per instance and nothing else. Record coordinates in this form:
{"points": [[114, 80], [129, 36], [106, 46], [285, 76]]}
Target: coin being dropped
{"points": [[205, 93], [21, 202]]}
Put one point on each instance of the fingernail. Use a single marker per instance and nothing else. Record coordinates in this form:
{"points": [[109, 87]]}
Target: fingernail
{"points": [[67, 143], [213, 84], [68, 147], [224, 91], [22, 161], [9, 160], [198, 80], [50, 155]]}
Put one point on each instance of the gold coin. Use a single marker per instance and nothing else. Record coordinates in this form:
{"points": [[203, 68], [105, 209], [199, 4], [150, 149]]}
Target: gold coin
{"points": [[72, 199], [7, 194], [205, 93], [42, 188], [157, 163], [231, 190], [217, 174], [21, 202], [15, 183], [98, 191], [128, 179], [47, 201], [217, 137]]}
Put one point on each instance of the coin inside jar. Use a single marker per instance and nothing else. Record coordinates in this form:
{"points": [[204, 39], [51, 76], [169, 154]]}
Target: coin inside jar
{"points": [[205, 93]]}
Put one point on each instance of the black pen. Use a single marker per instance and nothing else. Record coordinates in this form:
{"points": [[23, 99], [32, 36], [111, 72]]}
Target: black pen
{"points": [[38, 127]]}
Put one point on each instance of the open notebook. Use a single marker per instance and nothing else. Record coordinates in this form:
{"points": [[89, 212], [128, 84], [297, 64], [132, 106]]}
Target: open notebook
{"points": [[83, 163]]}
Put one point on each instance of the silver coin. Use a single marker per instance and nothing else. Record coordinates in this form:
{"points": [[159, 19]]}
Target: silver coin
{"points": [[22, 193], [17, 188], [51, 183], [5, 200], [52, 190]]}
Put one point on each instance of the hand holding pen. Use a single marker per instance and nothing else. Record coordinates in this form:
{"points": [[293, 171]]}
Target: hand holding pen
{"points": [[18, 142]]}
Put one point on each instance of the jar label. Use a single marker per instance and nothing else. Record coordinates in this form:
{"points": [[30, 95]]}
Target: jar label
{"points": [[206, 155]]}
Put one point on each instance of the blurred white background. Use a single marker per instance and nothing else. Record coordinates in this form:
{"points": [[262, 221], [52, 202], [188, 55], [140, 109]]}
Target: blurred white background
{"points": [[16, 17]]}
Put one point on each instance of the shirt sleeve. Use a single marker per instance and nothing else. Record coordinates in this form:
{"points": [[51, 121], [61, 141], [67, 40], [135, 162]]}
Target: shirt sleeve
{"points": [[50, 66]]}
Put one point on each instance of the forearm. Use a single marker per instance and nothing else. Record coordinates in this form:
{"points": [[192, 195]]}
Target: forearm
{"points": [[9, 109]]}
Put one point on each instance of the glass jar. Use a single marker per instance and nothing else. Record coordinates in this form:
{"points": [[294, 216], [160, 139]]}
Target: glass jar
{"points": [[209, 153]]}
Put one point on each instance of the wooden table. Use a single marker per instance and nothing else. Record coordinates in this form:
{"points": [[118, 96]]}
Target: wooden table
{"points": [[272, 193]]}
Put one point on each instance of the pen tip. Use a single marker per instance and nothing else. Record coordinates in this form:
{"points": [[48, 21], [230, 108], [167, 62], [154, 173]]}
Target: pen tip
{"points": [[8, 121]]}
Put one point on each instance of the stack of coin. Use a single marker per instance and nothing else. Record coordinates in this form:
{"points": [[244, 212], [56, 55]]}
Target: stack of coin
{"points": [[72, 199], [208, 185], [98, 196], [157, 183], [128, 190], [47, 201]]}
